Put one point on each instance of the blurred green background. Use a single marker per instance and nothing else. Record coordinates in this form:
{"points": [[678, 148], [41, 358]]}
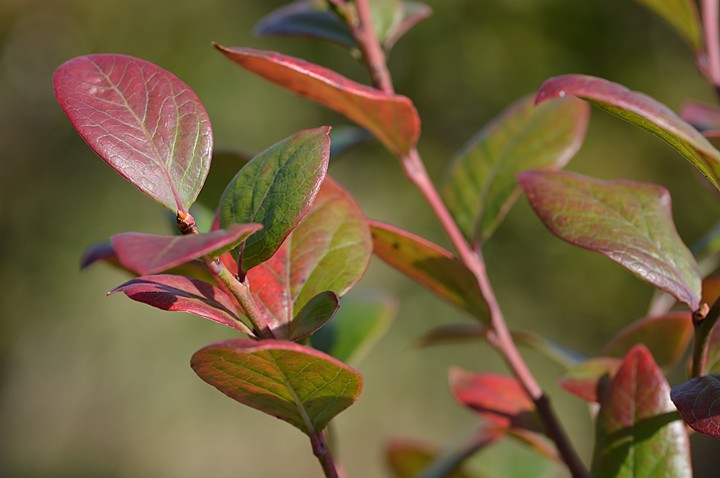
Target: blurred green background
{"points": [[100, 387]]}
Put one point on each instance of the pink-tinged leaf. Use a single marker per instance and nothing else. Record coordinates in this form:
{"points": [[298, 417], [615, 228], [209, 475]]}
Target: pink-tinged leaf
{"points": [[276, 189], [100, 252], [638, 428], [682, 15], [698, 401], [412, 459], [413, 13], [148, 254], [480, 186], [642, 111], [143, 121], [666, 336], [629, 222], [589, 379], [182, 294], [391, 118], [294, 383], [431, 266], [701, 116], [499, 399]]}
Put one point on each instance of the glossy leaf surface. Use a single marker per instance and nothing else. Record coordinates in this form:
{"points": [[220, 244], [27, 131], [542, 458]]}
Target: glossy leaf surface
{"points": [[297, 384], [480, 186], [682, 15], [408, 459], [361, 320], [698, 401], [629, 222], [182, 294], [643, 111], [391, 118], [141, 120], [431, 266], [666, 336], [149, 253], [589, 379], [638, 428], [276, 189]]}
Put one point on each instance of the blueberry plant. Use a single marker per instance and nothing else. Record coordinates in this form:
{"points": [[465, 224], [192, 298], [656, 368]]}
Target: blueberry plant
{"points": [[285, 241]]}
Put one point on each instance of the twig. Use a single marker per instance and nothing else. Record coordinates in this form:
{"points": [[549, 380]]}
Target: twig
{"points": [[324, 455]]}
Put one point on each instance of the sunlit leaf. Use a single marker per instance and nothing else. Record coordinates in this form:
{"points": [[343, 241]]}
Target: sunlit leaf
{"points": [[276, 189], [149, 253], [413, 13], [638, 428], [143, 121], [431, 266], [177, 293], [297, 384], [682, 15], [480, 186], [698, 401], [629, 222], [589, 379], [314, 314], [408, 459], [391, 118], [643, 111]]}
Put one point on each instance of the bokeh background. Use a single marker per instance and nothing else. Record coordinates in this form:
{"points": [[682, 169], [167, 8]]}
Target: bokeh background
{"points": [[101, 387]]}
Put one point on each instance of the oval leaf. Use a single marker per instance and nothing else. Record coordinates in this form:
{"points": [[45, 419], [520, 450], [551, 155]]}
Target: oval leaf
{"points": [[682, 15], [431, 266], [698, 401], [638, 428], [143, 121], [642, 111], [480, 186], [391, 118], [276, 189], [297, 384], [314, 314], [149, 254], [629, 222], [177, 293]]}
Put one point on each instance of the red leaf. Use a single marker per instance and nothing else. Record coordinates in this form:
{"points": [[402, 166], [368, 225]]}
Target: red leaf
{"points": [[698, 401], [589, 379], [392, 118]]}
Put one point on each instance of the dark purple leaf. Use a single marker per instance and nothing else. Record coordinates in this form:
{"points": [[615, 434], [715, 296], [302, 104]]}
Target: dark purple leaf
{"points": [[698, 401]]}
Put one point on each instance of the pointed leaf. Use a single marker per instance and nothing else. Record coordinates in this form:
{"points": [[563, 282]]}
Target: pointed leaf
{"points": [[316, 312], [666, 336], [431, 266], [149, 254], [359, 323], [297, 384], [480, 186], [698, 401], [413, 13], [629, 222], [589, 379], [408, 459], [392, 118], [642, 111], [638, 428], [143, 121], [681, 14], [177, 293], [276, 189]]}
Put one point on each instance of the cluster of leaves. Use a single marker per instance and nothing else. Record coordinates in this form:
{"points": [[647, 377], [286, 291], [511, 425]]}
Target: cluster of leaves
{"points": [[287, 242]]}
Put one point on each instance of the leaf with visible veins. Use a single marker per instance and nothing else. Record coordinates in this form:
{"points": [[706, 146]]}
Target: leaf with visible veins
{"points": [[698, 401]]}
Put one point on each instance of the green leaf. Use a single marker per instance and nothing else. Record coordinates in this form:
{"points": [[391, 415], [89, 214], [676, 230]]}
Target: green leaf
{"points": [[386, 15], [698, 401], [297, 384], [408, 459], [628, 221], [431, 266], [682, 15], [313, 315], [276, 189], [639, 433], [642, 111], [412, 14], [360, 322], [480, 186]]}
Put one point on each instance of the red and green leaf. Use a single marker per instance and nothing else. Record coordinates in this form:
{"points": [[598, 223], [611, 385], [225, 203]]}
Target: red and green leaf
{"points": [[589, 379], [698, 401], [409, 459], [629, 222], [297, 384], [141, 120], [682, 15]]}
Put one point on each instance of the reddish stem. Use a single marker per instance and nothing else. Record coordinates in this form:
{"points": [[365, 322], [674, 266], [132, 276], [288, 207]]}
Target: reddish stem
{"points": [[712, 40], [324, 455], [373, 53]]}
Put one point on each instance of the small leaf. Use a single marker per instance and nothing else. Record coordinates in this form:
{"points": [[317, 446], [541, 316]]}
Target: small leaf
{"points": [[413, 13], [701, 116], [629, 222], [698, 401], [391, 118], [408, 459], [480, 186], [276, 189], [386, 15], [638, 428], [316, 312], [431, 266], [666, 336], [141, 120], [589, 379], [345, 138], [359, 323], [682, 15], [149, 254], [643, 111], [297, 384], [177, 293]]}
